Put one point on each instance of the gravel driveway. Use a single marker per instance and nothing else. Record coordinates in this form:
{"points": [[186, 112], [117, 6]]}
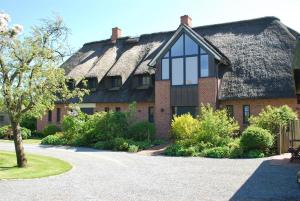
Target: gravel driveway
{"points": [[114, 176]]}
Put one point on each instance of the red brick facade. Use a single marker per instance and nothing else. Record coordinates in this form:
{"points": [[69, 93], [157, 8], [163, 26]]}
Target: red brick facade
{"points": [[208, 91], [162, 108], [256, 105], [142, 112]]}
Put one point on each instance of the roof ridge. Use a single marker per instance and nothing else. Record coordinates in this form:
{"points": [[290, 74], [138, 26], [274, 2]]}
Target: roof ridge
{"points": [[197, 27]]}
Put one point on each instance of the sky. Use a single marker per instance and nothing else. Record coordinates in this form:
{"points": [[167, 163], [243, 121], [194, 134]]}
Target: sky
{"points": [[92, 20]]}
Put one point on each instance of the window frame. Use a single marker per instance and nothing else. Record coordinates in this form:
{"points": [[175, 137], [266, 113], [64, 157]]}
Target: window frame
{"points": [[168, 55], [49, 116], [58, 114], [114, 81], [246, 120], [151, 114]]}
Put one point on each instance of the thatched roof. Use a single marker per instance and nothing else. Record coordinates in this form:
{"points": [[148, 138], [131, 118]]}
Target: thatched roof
{"points": [[260, 51]]}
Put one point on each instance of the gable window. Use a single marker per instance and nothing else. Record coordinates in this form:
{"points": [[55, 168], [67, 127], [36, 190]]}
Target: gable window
{"points": [[185, 62], [246, 114], [204, 63], [165, 69], [177, 71], [116, 82]]}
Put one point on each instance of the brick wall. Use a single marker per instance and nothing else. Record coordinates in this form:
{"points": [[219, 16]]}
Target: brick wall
{"points": [[208, 91], [41, 123], [142, 112], [256, 105], [162, 108]]}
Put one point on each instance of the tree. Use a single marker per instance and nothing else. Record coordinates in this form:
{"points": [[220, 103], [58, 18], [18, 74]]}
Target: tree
{"points": [[31, 80]]}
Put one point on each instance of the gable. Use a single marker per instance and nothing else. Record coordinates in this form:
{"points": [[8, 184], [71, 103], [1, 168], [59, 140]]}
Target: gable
{"points": [[183, 29]]}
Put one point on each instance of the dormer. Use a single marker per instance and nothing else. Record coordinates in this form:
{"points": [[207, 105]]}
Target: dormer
{"points": [[113, 83], [143, 81]]}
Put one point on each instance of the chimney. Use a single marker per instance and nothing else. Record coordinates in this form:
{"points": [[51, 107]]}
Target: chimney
{"points": [[187, 20], [115, 34]]}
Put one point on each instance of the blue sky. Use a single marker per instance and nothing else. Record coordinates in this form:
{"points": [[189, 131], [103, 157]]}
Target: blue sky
{"points": [[92, 20]]}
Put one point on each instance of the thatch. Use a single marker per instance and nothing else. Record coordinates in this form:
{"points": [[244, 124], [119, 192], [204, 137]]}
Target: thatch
{"points": [[260, 51]]}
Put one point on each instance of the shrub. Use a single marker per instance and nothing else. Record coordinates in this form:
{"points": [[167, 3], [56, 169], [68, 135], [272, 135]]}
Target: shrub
{"points": [[120, 144], [28, 122], [255, 138], [72, 125], [140, 144], [51, 129], [184, 127], [142, 131], [6, 132], [216, 127], [254, 154], [53, 140], [235, 149], [179, 150], [216, 152], [271, 118], [104, 145], [133, 148]]}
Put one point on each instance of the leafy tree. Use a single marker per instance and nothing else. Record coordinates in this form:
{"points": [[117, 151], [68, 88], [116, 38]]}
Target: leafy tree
{"points": [[31, 80]]}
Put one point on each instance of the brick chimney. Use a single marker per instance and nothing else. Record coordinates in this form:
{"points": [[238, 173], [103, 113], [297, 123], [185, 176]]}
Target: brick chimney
{"points": [[115, 34], [187, 20]]}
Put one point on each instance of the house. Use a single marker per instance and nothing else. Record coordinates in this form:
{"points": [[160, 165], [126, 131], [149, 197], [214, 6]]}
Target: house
{"points": [[242, 66]]}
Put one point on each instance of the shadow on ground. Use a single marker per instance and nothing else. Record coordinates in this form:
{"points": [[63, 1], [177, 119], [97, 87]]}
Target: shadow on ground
{"points": [[274, 179]]}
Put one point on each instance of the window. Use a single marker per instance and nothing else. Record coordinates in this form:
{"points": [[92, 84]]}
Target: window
{"points": [[229, 109], [106, 109], [204, 63], [177, 48], [116, 82], [71, 84], [177, 71], [57, 114], [49, 116], [180, 110], [185, 62], [118, 109], [145, 81], [1, 118], [165, 69], [246, 114], [298, 98], [151, 114], [92, 83], [87, 110], [191, 48], [191, 70]]}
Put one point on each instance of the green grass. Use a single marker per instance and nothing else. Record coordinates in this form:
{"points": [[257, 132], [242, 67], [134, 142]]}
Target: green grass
{"points": [[37, 166], [27, 141]]}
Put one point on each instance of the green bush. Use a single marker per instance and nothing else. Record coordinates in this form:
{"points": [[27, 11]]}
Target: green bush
{"points": [[140, 144], [255, 138], [6, 132], [142, 131], [184, 127], [53, 140], [271, 118], [51, 129], [120, 144], [216, 152], [133, 148], [72, 125], [180, 150], [216, 127], [254, 154], [235, 149], [28, 122], [104, 145]]}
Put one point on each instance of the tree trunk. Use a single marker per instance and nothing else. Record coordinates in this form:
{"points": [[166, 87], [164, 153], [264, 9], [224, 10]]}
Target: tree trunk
{"points": [[21, 159]]}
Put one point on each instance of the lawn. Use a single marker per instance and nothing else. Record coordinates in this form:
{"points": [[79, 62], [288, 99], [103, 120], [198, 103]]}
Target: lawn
{"points": [[27, 141], [37, 166]]}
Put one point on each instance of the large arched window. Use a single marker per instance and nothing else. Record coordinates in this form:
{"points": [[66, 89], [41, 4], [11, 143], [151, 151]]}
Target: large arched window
{"points": [[184, 62]]}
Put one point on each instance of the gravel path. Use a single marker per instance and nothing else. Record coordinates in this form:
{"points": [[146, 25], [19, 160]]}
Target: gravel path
{"points": [[114, 176]]}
